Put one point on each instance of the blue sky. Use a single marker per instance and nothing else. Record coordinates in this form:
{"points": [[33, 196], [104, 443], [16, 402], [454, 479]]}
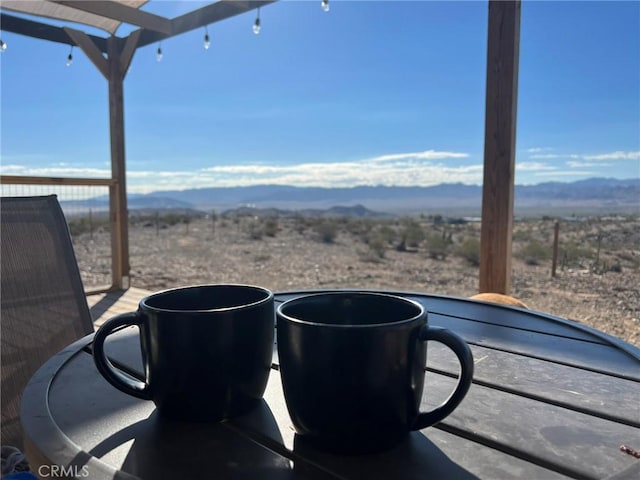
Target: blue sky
{"points": [[369, 93]]}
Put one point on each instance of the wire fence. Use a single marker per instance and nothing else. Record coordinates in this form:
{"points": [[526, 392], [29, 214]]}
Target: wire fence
{"points": [[86, 209]]}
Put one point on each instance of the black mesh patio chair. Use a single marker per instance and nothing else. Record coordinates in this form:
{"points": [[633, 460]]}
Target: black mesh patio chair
{"points": [[42, 299]]}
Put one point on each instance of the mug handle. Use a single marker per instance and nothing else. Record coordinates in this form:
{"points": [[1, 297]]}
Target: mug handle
{"points": [[114, 376], [462, 351]]}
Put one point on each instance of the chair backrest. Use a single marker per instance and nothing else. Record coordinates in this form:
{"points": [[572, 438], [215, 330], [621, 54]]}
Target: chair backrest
{"points": [[43, 306]]}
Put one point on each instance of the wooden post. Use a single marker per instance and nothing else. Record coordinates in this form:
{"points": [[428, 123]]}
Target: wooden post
{"points": [[499, 149], [118, 203], [114, 68], [556, 235]]}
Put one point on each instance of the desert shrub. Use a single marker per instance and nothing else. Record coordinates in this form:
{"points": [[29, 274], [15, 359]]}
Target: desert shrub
{"points": [[411, 234], [300, 224], [629, 259], [534, 252], [575, 255], [80, 225], [213, 217], [470, 251], [523, 235], [546, 237], [378, 245], [172, 219], [255, 230], [438, 245], [383, 234], [359, 227], [271, 227], [327, 230], [616, 268], [369, 256], [387, 234]]}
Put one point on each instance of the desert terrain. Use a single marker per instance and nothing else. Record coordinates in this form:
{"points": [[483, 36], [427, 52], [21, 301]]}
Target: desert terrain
{"points": [[596, 282]]}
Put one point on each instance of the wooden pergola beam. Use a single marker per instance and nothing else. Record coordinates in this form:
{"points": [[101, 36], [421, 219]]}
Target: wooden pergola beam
{"points": [[130, 47], [499, 147], [90, 49], [43, 31], [123, 13], [206, 15]]}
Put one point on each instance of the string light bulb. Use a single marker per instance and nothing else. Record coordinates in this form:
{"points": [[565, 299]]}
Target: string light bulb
{"points": [[159, 52], [3, 46], [256, 24], [70, 57], [325, 5], [207, 40]]}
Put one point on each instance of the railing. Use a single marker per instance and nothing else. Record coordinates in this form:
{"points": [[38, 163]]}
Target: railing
{"points": [[74, 201]]}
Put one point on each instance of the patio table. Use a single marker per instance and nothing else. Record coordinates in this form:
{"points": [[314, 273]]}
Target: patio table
{"points": [[550, 399]]}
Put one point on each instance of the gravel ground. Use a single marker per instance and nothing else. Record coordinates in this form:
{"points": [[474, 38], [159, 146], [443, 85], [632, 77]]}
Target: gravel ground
{"points": [[295, 258]]}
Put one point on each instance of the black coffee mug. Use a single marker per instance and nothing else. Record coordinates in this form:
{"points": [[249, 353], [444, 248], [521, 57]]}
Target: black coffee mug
{"points": [[352, 367], [206, 350]]}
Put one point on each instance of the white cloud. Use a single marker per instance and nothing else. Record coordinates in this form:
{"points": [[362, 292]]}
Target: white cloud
{"points": [[12, 169], [549, 156], [539, 149], [575, 165], [618, 155], [142, 174], [405, 169], [426, 155], [372, 172], [55, 171], [422, 168], [414, 168], [580, 164], [568, 173], [533, 166]]}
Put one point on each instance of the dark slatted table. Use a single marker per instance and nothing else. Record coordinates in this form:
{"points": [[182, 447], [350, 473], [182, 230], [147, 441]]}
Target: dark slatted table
{"points": [[550, 399]]}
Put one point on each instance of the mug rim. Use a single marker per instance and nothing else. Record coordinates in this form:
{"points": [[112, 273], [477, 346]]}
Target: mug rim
{"points": [[281, 315], [269, 296]]}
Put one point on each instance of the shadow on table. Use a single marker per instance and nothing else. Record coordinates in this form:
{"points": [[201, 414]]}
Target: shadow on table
{"points": [[168, 449], [417, 457]]}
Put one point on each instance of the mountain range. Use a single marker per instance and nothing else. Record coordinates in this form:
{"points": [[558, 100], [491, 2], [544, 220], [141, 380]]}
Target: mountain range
{"points": [[595, 195]]}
